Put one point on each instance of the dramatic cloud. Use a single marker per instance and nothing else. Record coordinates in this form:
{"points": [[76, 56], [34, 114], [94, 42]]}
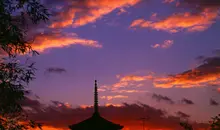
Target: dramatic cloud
{"points": [[55, 70], [206, 74], [199, 16], [46, 41], [165, 44], [213, 102], [79, 13], [180, 22], [159, 98], [187, 101], [58, 115], [42, 37], [182, 115]]}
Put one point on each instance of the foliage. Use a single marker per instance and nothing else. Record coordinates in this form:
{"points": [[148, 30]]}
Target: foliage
{"points": [[15, 16], [215, 123], [186, 125], [14, 78]]}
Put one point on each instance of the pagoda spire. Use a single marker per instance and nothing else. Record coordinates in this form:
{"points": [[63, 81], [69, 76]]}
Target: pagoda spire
{"points": [[96, 106]]}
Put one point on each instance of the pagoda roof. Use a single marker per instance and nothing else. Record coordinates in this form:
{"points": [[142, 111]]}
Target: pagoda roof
{"points": [[96, 122]]}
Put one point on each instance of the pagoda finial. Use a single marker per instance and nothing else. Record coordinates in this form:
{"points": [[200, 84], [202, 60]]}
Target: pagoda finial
{"points": [[96, 98]]}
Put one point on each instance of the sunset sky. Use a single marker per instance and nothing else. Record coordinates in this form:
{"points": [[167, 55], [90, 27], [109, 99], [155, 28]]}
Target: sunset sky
{"points": [[164, 54]]}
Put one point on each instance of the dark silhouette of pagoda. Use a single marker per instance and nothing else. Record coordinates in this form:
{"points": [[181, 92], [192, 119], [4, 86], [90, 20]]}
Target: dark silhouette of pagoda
{"points": [[96, 122]]}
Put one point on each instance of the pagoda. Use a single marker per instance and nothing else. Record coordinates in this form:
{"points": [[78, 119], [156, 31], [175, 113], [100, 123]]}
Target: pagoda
{"points": [[96, 122]]}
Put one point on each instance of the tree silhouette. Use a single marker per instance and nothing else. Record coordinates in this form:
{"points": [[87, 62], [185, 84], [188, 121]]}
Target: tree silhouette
{"points": [[15, 16], [186, 125], [215, 123]]}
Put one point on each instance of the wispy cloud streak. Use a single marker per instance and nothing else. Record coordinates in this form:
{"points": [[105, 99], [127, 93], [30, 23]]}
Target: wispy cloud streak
{"points": [[178, 22], [89, 11], [45, 41]]}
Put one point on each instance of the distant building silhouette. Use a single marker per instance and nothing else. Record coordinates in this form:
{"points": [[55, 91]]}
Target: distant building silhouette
{"points": [[96, 122]]}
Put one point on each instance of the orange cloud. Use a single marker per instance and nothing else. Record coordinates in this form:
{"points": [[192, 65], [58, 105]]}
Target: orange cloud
{"points": [[127, 81], [138, 22], [204, 75], [180, 22], [67, 18], [126, 84], [46, 41], [89, 11], [48, 128], [165, 44], [113, 97], [135, 78], [67, 105], [129, 91], [85, 106], [187, 80], [114, 105], [121, 84], [207, 74], [61, 105]]}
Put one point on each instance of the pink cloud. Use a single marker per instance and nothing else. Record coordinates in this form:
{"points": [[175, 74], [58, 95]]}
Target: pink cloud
{"points": [[164, 45]]}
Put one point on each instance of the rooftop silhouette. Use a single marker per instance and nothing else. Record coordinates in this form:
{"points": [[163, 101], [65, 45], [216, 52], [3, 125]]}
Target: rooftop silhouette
{"points": [[96, 122]]}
